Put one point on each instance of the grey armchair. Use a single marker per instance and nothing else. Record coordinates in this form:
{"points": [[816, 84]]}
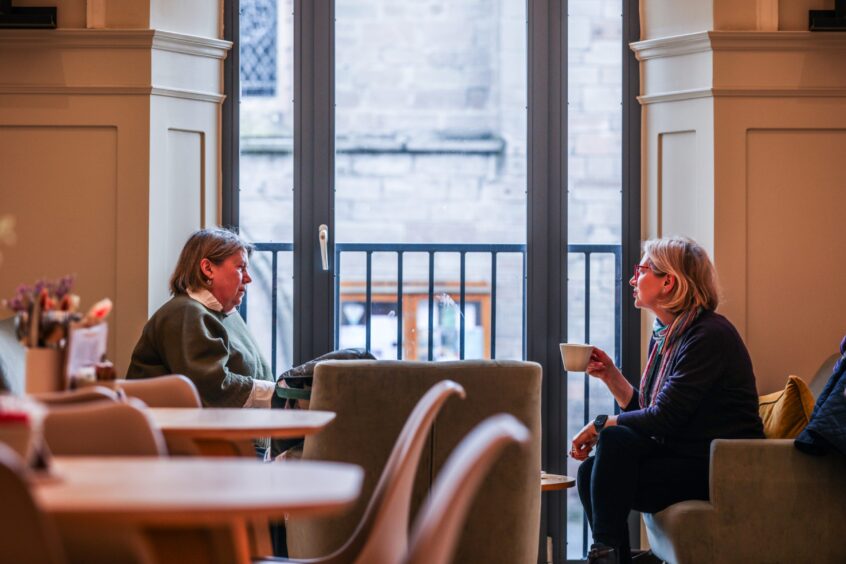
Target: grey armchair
{"points": [[769, 503], [372, 400]]}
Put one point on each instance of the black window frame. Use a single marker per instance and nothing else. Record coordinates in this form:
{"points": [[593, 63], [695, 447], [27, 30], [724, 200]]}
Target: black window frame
{"points": [[546, 316]]}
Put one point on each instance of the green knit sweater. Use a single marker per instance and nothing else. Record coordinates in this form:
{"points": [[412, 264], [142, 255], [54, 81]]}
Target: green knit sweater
{"points": [[214, 350]]}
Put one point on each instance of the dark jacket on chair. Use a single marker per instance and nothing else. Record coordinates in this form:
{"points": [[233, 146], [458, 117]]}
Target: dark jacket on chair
{"points": [[827, 428]]}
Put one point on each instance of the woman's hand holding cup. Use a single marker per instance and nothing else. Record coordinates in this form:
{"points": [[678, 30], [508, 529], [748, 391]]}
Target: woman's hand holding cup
{"points": [[601, 366]]}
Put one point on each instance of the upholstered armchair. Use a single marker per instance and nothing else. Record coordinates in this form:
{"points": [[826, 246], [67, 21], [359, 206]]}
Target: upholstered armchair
{"points": [[372, 400], [769, 503]]}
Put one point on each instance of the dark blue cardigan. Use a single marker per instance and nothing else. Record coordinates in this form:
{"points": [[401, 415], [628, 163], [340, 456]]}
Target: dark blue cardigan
{"points": [[709, 392]]}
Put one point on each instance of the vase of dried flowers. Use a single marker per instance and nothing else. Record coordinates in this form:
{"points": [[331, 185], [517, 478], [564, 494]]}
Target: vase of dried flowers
{"points": [[43, 370], [44, 313]]}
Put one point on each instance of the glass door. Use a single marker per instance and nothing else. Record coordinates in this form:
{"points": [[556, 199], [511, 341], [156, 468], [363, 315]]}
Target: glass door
{"points": [[266, 171], [430, 178], [464, 159]]}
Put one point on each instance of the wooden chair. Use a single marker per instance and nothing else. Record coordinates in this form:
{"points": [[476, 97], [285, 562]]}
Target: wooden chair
{"points": [[165, 391], [382, 533], [373, 399], [75, 397], [178, 391], [26, 534], [102, 428], [439, 524]]}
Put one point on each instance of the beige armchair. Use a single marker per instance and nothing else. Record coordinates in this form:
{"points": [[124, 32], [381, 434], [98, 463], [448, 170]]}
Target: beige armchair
{"points": [[769, 503], [372, 400]]}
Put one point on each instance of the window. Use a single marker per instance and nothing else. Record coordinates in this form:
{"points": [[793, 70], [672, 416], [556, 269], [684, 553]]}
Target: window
{"points": [[258, 47], [425, 144]]}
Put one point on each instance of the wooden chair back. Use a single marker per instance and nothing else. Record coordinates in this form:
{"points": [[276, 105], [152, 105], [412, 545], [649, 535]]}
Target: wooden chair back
{"points": [[440, 521], [27, 536], [102, 429], [174, 390]]}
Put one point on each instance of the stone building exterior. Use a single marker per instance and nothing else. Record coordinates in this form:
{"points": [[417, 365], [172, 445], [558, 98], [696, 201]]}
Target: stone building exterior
{"points": [[431, 148]]}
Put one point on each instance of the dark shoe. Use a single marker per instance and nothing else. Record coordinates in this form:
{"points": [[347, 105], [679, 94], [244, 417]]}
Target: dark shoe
{"points": [[601, 554]]}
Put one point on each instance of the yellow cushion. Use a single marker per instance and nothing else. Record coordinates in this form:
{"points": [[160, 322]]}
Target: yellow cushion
{"points": [[785, 413]]}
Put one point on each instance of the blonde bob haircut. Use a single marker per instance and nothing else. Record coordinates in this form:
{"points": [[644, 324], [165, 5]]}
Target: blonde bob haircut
{"points": [[215, 244], [689, 264]]}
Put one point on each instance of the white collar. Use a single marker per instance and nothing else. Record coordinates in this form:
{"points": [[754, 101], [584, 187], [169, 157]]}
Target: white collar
{"points": [[207, 299]]}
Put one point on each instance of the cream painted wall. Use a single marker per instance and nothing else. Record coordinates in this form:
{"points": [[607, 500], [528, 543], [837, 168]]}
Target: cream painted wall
{"points": [[742, 133], [184, 193], [192, 17], [110, 152], [665, 18]]}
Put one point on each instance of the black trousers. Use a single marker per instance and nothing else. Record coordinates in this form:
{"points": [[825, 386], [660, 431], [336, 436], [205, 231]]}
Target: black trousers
{"points": [[629, 472]]}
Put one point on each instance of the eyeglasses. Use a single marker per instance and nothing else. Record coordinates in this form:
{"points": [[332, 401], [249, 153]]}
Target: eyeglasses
{"points": [[639, 269]]}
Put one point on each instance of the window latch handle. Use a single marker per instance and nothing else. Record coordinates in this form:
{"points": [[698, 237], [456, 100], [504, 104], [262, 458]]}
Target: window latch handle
{"points": [[323, 236]]}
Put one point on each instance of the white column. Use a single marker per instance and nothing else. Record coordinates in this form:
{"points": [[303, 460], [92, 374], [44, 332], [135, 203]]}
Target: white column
{"points": [[743, 137]]}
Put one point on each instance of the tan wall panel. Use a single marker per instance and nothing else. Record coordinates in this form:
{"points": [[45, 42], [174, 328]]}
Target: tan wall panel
{"points": [[65, 222], [70, 13], [793, 14], [796, 198], [118, 13]]}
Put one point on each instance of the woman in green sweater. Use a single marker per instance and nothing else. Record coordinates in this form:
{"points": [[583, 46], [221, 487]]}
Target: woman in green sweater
{"points": [[198, 332]]}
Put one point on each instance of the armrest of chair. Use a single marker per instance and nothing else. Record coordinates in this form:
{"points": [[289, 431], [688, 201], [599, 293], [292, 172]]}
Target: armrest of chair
{"points": [[775, 503], [769, 479], [769, 503]]}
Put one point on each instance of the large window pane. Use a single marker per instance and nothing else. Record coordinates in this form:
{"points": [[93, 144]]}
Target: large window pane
{"points": [[594, 187], [430, 145], [266, 167]]}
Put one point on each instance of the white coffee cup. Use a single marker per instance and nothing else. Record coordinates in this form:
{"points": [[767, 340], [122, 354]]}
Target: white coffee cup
{"points": [[575, 356]]}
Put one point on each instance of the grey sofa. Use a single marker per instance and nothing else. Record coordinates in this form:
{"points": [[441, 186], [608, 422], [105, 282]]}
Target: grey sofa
{"points": [[372, 400], [769, 503]]}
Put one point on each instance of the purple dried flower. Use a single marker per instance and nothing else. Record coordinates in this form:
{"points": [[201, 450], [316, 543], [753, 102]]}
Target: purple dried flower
{"points": [[63, 286]]}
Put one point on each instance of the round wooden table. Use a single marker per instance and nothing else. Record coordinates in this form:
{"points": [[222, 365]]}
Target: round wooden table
{"points": [[169, 499], [237, 423]]}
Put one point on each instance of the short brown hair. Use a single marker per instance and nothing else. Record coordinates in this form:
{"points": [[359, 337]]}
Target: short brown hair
{"points": [[215, 244], [688, 262]]}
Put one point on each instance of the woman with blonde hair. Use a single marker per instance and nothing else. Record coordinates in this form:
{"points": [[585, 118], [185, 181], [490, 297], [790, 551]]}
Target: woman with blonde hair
{"points": [[698, 385]]}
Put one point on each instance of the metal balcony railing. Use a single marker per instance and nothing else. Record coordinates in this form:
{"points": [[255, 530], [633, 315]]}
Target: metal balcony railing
{"points": [[401, 249]]}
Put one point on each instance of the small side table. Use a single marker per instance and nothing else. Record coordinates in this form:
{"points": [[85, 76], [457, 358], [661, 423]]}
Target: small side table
{"points": [[555, 482]]}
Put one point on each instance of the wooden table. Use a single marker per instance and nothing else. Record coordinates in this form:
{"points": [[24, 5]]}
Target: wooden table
{"points": [[227, 432], [165, 497], [238, 423], [555, 482]]}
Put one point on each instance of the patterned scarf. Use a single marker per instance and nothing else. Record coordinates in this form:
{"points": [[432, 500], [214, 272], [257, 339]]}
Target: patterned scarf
{"points": [[663, 354]]}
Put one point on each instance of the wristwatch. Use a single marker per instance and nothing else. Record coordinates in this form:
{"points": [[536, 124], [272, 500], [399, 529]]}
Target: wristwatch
{"points": [[600, 422]]}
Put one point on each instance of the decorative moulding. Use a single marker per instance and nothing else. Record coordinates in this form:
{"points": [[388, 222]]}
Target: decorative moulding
{"points": [[19, 89], [679, 95], [715, 41], [115, 39]]}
